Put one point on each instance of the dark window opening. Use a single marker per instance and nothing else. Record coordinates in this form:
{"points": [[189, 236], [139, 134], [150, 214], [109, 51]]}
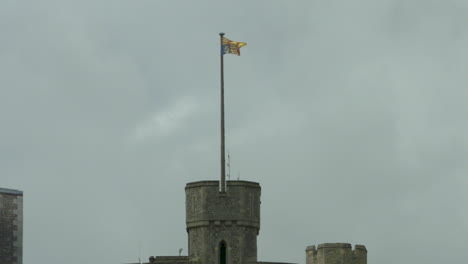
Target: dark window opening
{"points": [[222, 253]]}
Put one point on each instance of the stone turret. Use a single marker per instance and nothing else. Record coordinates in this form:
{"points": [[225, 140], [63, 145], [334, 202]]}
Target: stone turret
{"points": [[222, 227], [336, 253]]}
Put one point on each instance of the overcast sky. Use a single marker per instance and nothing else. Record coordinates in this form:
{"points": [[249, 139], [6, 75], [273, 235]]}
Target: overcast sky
{"points": [[352, 115]]}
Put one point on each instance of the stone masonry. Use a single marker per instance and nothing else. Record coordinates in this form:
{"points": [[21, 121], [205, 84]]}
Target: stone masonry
{"points": [[226, 222], [336, 253], [11, 226]]}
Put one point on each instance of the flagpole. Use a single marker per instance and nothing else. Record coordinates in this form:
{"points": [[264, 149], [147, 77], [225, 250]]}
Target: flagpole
{"points": [[223, 160]]}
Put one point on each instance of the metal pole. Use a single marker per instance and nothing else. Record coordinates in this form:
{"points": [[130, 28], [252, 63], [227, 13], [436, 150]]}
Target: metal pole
{"points": [[223, 173]]}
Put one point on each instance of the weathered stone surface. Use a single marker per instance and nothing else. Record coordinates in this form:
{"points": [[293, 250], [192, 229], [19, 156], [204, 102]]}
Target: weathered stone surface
{"points": [[169, 260], [336, 253], [269, 262], [11, 226], [232, 217]]}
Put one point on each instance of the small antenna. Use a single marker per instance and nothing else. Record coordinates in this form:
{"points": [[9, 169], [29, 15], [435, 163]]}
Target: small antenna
{"points": [[238, 175], [229, 166], [139, 252]]}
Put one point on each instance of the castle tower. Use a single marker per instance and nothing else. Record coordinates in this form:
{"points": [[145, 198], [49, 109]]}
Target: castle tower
{"points": [[336, 253], [222, 226], [11, 226]]}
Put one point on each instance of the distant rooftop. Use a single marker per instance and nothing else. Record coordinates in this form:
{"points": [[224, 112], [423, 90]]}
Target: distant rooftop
{"points": [[10, 191]]}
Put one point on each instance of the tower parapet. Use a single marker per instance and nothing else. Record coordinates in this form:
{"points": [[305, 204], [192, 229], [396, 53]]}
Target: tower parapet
{"points": [[223, 226], [336, 253]]}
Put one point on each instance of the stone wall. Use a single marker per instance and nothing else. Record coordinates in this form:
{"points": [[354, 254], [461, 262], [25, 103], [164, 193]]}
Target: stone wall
{"points": [[269, 262], [169, 260], [336, 253], [11, 226], [232, 217], [241, 202]]}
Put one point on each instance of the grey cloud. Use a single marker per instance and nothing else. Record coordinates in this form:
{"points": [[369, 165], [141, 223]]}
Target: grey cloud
{"points": [[350, 114]]}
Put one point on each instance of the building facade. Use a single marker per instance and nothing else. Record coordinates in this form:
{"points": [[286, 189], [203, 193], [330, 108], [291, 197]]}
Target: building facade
{"points": [[11, 226]]}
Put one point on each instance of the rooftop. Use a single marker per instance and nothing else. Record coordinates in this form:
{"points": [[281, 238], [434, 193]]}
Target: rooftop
{"points": [[10, 191]]}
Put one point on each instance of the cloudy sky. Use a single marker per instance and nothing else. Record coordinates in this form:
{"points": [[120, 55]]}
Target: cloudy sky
{"points": [[352, 115]]}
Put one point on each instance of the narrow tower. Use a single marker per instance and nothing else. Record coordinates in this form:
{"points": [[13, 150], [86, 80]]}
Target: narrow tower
{"points": [[11, 226], [222, 227]]}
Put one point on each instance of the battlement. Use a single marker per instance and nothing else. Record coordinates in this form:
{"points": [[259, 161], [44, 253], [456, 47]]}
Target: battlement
{"points": [[336, 253], [223, 225], [206, 205], [216, 183]]}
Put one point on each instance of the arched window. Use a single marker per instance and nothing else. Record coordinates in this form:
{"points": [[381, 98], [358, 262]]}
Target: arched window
{"points": [[222, 253]]}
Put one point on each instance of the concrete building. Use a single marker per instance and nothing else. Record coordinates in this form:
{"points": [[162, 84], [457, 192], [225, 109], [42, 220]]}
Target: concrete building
{"points": [[11, 226], [223, 226]]}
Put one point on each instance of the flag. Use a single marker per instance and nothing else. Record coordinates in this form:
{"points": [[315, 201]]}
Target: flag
{"points": [[229, 46]]}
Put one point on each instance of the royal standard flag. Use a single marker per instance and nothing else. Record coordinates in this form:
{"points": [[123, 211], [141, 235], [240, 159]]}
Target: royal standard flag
{"points": [[229, 46]]}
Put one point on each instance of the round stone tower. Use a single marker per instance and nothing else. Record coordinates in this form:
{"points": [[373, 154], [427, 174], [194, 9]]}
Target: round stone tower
{"points": [[222, 227]]}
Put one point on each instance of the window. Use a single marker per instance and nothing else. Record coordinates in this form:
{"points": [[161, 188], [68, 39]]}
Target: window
{"points": [[222, 253]]}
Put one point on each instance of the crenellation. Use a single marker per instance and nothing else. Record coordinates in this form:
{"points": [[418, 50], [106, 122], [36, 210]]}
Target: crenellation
{"points": [[360, 254], [336, 253], [232, 218]]}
